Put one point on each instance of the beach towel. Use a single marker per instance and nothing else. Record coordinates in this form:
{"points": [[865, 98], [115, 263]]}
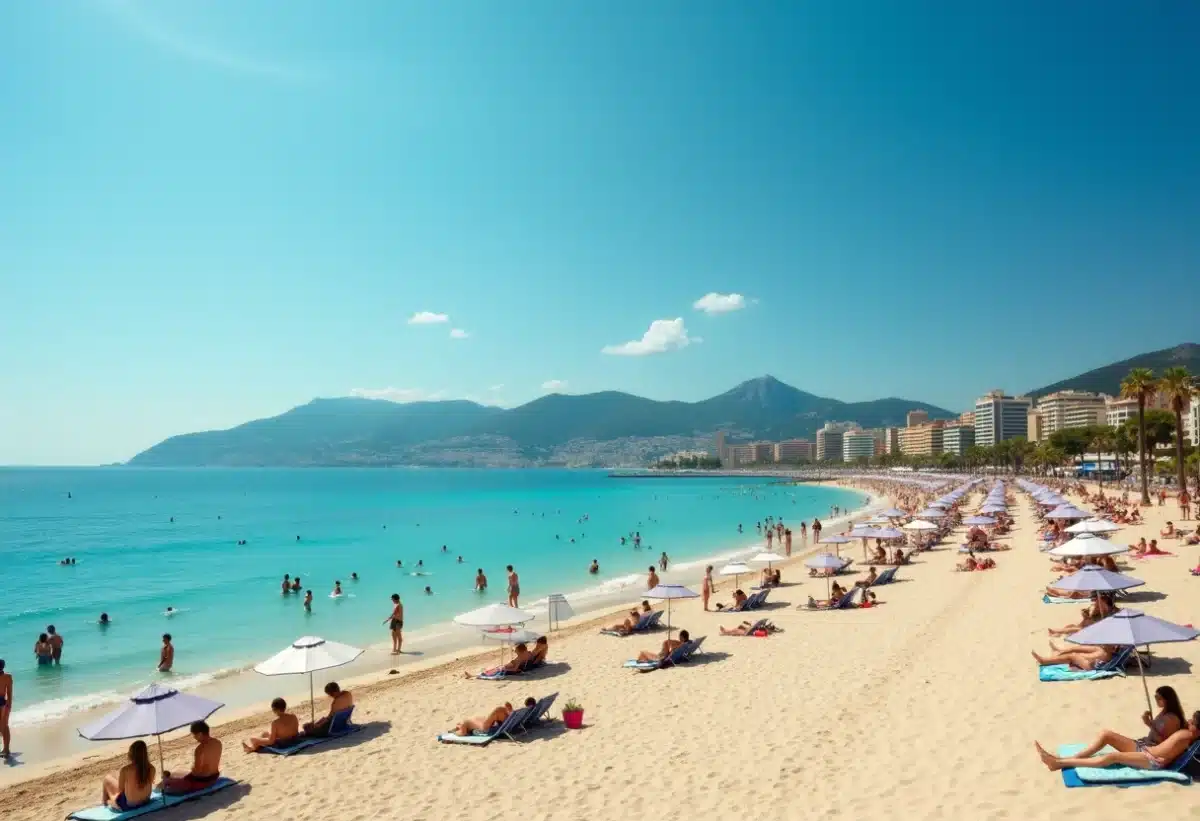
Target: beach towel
{"points": [[156, 803], [1162, 554], [340, 727], [505, 729], [1116, 775], [1048, 599], [1063, 672]]}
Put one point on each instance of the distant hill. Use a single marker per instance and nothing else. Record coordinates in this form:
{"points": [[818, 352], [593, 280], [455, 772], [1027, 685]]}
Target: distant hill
{"points": [[1107, 379], [355, 431]]}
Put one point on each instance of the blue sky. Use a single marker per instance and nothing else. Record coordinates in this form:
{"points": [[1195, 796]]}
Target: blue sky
{"points": [[213, 211]]}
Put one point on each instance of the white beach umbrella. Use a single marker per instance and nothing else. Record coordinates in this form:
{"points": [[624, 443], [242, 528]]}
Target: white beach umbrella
{"points": [[670, 592], [825, 561], [307, 655], [735, 569], [494, 615], [1094, 526], [768, 557], [510, 635], [1086, 545], [919, 524]]}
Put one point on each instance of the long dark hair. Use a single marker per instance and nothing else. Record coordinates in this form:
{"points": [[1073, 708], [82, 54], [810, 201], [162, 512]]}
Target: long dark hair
{"points": [[1171, 705], [140, 759]]}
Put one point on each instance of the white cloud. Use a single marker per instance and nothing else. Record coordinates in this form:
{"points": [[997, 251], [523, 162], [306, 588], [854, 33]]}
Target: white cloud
{"points": [[715, 303], [427, 318], [554, 385], [496, 387], [399, 394], [662, 336], [458, 333]]}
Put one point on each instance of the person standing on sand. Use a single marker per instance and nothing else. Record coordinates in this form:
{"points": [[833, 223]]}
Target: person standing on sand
{"points": [[804, 531], [816, 529], [6, 697], [514, 586], [706, 590], [56, 643], [396, 622], [652, 579], [787, 537], [167, 657]]}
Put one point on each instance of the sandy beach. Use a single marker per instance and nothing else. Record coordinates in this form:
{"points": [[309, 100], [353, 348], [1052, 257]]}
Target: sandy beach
{"points": [[926, 706]]}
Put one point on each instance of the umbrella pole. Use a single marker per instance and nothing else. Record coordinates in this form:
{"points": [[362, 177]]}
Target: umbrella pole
{"points": [[162, 768], [312, 701], [1142, 673]]}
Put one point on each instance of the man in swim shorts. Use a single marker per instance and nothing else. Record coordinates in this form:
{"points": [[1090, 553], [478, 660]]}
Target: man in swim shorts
{"points": [[6, 697], [514, 586], [167, 657], [206, 764], [396, 623], [339, 700]]}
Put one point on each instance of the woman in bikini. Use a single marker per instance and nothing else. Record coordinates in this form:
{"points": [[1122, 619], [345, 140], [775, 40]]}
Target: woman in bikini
{"points": [[1129, 752], [132, 785], [706, 590]]}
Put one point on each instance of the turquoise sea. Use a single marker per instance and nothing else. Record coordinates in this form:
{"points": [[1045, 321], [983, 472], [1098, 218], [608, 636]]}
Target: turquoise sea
{"points": [[146, 540]]}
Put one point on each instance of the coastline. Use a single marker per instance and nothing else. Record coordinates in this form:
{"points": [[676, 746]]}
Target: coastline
{"points": [[52, 746]]}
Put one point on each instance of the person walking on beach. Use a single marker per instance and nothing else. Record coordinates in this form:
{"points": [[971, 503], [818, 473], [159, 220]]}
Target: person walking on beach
{"points": [[787, 541], [167, 657], [706, 590], [396, 622], [816, 529], [6, 697], [56, 643], [514, 586]]}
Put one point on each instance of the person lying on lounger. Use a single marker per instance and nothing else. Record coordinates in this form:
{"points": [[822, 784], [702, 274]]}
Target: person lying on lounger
{"points": [[739, 598], [1129, 753], [484, 724], [668, 645], [540, 648], [1168, 532], [626, 627], [284, 728], [521, 657], [206, 764], [1067, 594], [132, 785], [339, 700], [1084, 657], [743, 629], [836, 594]]}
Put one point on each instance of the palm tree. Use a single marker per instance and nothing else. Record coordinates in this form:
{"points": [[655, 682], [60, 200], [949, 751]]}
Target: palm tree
{"points": [[1140, 384], [1179, 387]]}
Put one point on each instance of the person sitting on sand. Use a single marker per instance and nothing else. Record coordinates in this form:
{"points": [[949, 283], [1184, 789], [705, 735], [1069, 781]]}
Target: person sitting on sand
{"points": [[1168, 532], [1153, 550], [900, 558], [1140, 548], [284, 728], [1085, 657], [540, 648], [131, 786], [880, 554], [739, 599], [1129, 752], [869, 580], [668, 646], [743, 629], [339, 700], [206, 764], [626, 627], [968, 564], [484, 724], [520, 659]]}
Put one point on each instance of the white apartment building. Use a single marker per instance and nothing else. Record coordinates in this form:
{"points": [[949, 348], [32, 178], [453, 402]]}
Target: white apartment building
{"points": [[829, 440], [794, 450], [1118, 411], [957, 438], [857, 444], [999, 417], [1070, 409]]}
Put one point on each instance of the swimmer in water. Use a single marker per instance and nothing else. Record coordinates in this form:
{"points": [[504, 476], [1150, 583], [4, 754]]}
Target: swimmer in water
{"points": [[297, 537], [420, 562], [337, 588], [480, 581], [353, 577], [595, 568], [104, 620], [444, 550], [172, 518], [296, 585], [308, 600], [399, 563], [428, 590], [460, 560], [171, 611]]}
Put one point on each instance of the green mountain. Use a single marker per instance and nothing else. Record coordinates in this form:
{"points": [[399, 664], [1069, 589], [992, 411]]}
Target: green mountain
{"points": [[355, 431], [1107, 379]]}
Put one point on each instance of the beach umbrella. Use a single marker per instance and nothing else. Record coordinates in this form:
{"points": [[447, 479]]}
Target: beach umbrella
{"points": [[889, 533], [307, 655], [881, 519], [768, 557], [825, 561], [979, 520], [931, 513], [670, 592], [1068, 512], [510, 635], [1095, 579], [1094, 526], [919, 525], [494, 615], [735, 569], [996, 508], [1131, 628], [893, 513], [1086, 545], [153, 711]]}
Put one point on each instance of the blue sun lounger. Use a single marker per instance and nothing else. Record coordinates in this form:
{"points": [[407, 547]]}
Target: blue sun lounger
{"points": [[885, 577], [647, 622], [339, 727], [539, 713], [841, 604], [1117, 776], [156, 803], [505, 729], [677, 656], [1063, 672]]}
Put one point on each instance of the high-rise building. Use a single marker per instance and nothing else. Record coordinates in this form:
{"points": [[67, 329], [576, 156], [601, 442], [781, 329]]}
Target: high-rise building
{"points": [[924, 439], [857, 444], [721, 447], [1118, 411], [999, 417], [916, 417], [1035, 426], [829, 440], [967, 418], [957, 438], [891, 440], [1069, 409], [794, 450]]}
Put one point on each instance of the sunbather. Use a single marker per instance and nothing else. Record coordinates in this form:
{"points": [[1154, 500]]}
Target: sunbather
{"points": [[968, 564], [132, 785], [869, 580], [540, 648], [667, 646], [1058, 592], [339, 700], [1084, 621], [1140, 548], [1168, 532], [746, 628], [521, 657], [284, 728], [1153, 550], [739, 599], [484, 724], [625, 627], [206, 764], [880, 555], [1084, 657], [1129, 752]]}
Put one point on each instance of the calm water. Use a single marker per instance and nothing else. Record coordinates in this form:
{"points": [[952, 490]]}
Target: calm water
{"points": [[133, 561]]}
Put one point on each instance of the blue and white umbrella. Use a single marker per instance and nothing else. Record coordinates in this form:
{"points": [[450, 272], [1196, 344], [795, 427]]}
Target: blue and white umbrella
{"points": [[670, 592], [825, 561], [979, 520]]}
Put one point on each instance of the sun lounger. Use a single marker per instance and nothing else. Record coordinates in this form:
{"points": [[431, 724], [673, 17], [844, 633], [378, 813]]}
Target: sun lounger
{"points": [[1118, 776], [677, 656], [1115, 666], [757, 600], [1048, 599], [505, 729], [647, 621], [156, 803], [840, 604], [538, 713], [340, 726], [885, 577]]}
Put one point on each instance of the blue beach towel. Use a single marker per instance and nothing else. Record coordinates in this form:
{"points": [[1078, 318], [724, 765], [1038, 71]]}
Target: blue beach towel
{"points": [[1063, 672], [156, 803], [1121, 776], [1048, 599], [340, 729]]}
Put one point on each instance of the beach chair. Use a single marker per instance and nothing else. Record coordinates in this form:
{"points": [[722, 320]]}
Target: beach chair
{"points": [[503, 730], [761, 624], [885, 577], [156, 803], [677, 656], [1115, 666], [1118, 776], [655, 618], [645, 622], [757, 600], [840, 604], [340, 726], [539, 713]]}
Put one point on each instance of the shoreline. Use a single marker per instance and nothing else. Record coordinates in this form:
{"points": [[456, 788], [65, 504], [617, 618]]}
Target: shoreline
{"points": [[440, 646]]}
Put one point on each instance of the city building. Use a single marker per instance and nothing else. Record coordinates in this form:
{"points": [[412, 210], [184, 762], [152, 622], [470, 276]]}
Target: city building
{"points": [[1069, 409], [924, 439], [916, 417], [754, 453], [857, 444], [967, 418], [829, 440], [1034, 426], [957, 438], [721, 454], [999, 417], [1117, 411], [891, 440], [795, 450], [1191, 424]]}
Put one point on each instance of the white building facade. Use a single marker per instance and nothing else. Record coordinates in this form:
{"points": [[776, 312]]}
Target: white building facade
{"points": [[999, 417]]}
